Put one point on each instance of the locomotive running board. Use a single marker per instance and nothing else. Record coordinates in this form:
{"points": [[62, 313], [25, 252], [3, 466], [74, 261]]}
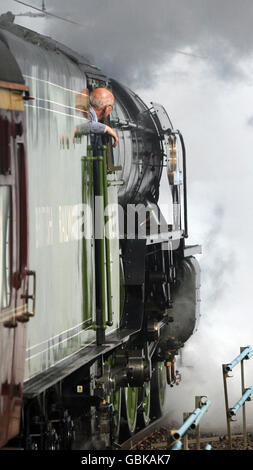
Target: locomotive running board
{"points": [[165, 237], [64, 368], [191, 250]]}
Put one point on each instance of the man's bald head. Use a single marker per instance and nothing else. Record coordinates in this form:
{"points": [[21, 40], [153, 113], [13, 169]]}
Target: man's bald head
{"points": [[101, 97]]}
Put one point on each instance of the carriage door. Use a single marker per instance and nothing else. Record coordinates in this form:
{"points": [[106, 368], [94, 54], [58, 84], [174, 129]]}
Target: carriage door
{"points": [[14, 277]]}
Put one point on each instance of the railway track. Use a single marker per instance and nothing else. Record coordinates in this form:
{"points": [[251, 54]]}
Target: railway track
{"points": [[156, 437]]}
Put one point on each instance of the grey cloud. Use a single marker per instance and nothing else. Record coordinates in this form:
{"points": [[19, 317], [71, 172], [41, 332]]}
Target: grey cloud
{"points": [[228, 70], [132, 39]]}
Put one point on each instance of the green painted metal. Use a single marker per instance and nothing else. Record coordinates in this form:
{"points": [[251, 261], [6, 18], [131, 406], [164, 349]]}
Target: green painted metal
{"points": [[102, 245], [146, 402], [107, 242], [87, 195], [104, 241], [162, 383], [131, 396], [87, 175], [131, 403], [115, 399]]}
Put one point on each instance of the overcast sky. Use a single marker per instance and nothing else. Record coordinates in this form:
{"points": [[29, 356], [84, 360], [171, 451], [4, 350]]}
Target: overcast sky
{"points": [[195, 58]]}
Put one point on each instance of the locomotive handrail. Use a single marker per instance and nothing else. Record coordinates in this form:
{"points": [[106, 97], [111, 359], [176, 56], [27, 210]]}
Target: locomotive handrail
{"points": [[27, 296], [107, 241], [170, 131], [184, 185], [107, 153], [33, 295], [101, 241]]}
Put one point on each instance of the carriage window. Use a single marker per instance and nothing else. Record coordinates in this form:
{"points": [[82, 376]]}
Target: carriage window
{"points": [[5, 246]]}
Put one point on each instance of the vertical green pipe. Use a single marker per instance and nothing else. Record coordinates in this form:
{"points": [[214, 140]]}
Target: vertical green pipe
{"points": [[102, 246], [107, 243]]}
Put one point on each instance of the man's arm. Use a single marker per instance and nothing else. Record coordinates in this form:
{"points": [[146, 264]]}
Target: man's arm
{"points": [[94, 127]]}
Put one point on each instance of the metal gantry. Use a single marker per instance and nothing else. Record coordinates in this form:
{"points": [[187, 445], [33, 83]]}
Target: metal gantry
{"points": [[247, 393]]}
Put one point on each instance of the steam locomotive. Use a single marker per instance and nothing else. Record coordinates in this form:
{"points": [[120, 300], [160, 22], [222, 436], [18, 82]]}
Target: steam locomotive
{"points": [[98, 290]]}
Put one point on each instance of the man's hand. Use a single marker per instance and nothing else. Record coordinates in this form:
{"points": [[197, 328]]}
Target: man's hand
{"points": [[76, 134], [111, 132]]}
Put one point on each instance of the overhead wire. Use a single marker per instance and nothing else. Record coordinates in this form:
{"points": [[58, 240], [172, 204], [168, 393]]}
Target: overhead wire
{"points": [[46, 13]]}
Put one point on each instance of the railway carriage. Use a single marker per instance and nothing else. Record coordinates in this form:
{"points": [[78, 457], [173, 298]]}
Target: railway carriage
{"points": [[98, 290]]}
